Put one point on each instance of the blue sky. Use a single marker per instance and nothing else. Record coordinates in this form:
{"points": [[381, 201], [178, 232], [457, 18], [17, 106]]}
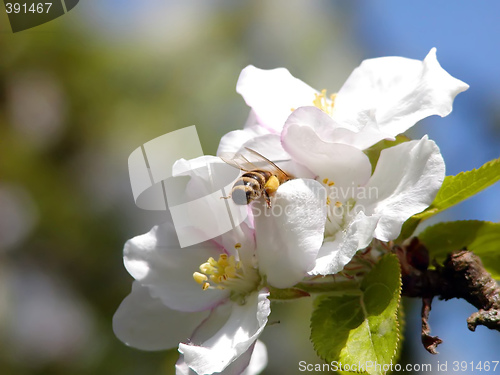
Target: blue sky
{"points": [[466, 35]]}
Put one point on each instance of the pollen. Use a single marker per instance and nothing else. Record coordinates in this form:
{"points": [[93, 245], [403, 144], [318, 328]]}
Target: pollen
{"points": [[326, 181], [338, 204], [228, 273], [323, 102], [217, 271], [237, 246]]}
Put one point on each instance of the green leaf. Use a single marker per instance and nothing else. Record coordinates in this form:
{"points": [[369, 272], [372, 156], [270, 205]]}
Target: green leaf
{"points": [[481, 237], [374, 151], [464, 185], [363, 328], [455, 189]]}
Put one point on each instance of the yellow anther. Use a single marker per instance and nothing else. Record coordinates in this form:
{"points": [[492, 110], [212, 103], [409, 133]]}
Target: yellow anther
{"points": [[331, 183], [328, 200], [237, 246], [292, 109], [338, 204], [227, 273], [218, 272], [207, 268], [325, 181], [200, 278], [322, 102], [212, 262], [222, 262], [231, 271]]}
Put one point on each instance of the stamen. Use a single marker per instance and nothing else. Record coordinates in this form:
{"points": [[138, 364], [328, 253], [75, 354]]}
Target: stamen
{"points": [[227, 273], [338, 204], [322, 102], [200, 278]]}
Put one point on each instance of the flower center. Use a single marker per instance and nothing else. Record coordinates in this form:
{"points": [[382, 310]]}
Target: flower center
{"points": [[324, 103], [228, 273]]}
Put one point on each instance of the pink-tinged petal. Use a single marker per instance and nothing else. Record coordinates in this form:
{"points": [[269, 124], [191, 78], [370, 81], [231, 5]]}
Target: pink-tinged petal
{"points": [[322, 123], [342, 164], [146, 323], [156, 260], [238, 334], [290, 233], [406, 181], [328, 130], [338, 251], [252, 362], [393, 93], [273, 94]]}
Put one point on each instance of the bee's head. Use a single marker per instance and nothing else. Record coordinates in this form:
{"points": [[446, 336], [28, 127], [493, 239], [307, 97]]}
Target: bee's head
{"points": [[241, 196]]}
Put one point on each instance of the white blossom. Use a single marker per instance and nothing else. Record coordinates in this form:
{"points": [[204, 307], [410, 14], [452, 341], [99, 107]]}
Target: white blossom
{"points": [[212, 297], [382, 98]]}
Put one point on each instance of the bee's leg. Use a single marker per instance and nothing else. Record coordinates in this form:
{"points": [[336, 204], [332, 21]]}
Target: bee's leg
{"points": [[268, 199]]}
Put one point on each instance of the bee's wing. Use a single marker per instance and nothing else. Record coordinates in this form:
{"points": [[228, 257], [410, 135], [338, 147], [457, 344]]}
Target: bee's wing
{"points": [[239, 161], [266, 164]]}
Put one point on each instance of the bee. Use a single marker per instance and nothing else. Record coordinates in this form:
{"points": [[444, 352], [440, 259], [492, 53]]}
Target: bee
{"points": [[261, 177]]}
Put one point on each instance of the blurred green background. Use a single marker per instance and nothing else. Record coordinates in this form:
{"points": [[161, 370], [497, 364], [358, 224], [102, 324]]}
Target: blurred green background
{"points": [[80, 93]]}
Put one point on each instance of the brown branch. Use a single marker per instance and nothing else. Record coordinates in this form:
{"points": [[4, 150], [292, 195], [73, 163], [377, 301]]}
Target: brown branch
{"points": [[462, 275]]}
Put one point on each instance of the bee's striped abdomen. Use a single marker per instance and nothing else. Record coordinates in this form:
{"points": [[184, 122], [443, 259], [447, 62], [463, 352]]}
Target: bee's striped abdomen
{"points": [[250, 186]]}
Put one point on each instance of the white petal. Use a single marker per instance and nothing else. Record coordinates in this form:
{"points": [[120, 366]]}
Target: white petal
{"points": [[394, 93], [345, 165], [273, 94], [252, 362], [331, 131], [238, 334], [270, 147], [290, 233], [258, 362], [334, 255], [147, 324], [156, 261], [233, 141], [407, 179]]}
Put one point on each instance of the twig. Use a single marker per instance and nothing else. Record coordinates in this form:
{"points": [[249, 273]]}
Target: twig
{"points": [[462, 275]]}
